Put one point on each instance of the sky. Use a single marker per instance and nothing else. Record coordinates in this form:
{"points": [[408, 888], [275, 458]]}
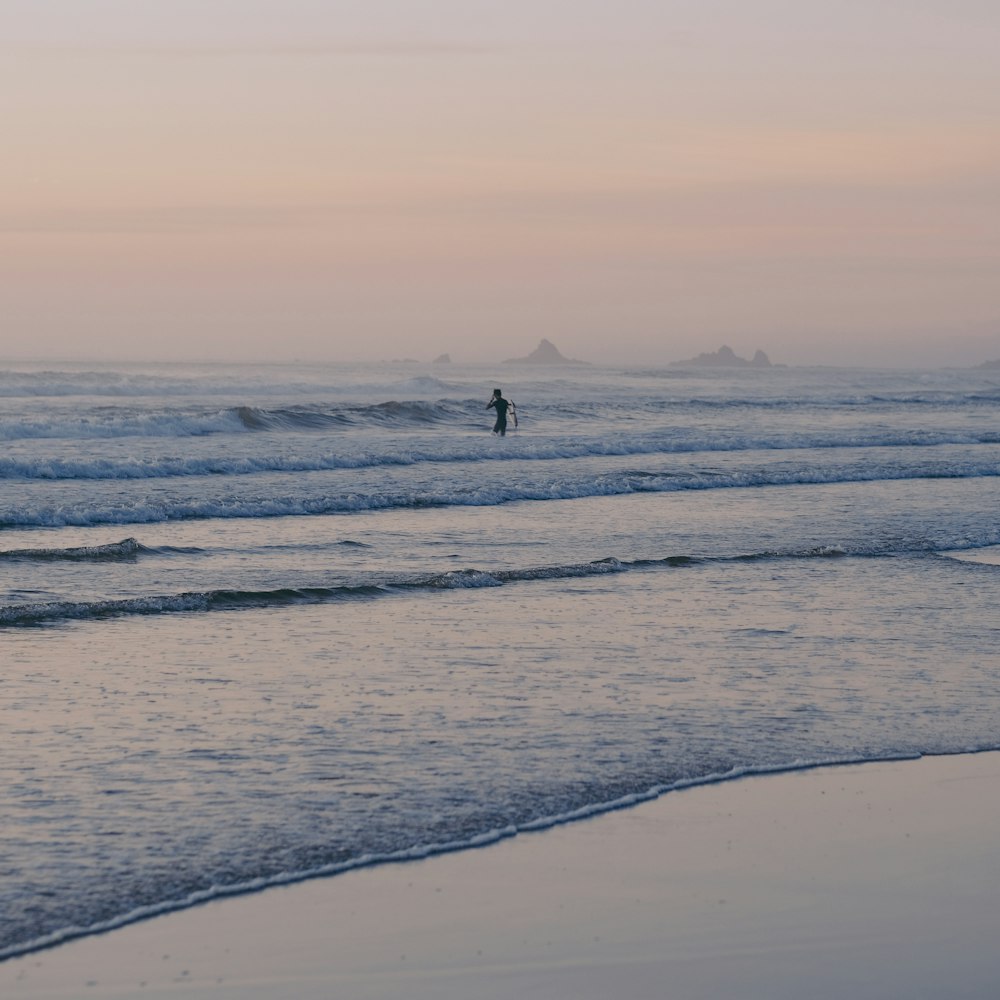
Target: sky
{"points": [[637, 181]]}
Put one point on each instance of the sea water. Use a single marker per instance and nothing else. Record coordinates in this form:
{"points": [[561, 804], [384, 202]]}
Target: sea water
{"points": [[258, 623]]}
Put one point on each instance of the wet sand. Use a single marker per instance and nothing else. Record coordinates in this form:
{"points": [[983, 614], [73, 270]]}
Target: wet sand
{"points": [[876, 880]]}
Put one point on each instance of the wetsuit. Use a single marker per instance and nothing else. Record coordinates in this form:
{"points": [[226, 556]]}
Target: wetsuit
{"points": [[501, 404]]}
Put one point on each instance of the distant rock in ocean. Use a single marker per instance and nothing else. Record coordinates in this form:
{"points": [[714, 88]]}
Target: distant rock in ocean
{"points": [[725, 357], [545, 354], [442, 359], [990, 364]]}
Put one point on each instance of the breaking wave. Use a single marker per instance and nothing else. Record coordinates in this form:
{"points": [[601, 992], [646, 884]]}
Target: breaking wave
{"points": [[463, 448], [106, 422], [319, 498]]}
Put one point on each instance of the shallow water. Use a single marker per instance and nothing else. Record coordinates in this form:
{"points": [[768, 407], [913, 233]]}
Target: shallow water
{"points": [[345, 662]]}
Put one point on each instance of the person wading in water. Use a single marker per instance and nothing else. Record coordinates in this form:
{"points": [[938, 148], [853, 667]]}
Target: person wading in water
{"points": [[502, 406]]}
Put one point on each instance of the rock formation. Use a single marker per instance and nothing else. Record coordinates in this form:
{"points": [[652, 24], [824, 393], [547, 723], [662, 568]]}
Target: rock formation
{"points": [[545, 354], [725, 357]]}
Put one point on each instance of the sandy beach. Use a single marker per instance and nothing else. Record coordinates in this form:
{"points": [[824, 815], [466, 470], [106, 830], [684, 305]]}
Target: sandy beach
{"points": [[875, 880]]}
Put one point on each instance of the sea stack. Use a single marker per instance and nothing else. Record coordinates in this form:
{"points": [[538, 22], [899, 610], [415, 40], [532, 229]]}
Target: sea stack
{"points": [[545, 354], [725, 357]]}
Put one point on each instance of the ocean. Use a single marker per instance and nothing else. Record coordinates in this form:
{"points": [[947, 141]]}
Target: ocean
{"points": [[263, 623]]}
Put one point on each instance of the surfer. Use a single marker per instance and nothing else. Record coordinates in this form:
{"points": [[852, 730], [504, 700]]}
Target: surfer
{"points": [[502, 406]]}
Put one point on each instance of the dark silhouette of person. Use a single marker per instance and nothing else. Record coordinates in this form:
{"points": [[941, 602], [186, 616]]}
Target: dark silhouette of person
{"points": [[501, 405]]}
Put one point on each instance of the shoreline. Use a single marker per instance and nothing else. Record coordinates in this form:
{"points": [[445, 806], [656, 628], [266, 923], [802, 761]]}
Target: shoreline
{"points": [[218, 894], [876, 878]]}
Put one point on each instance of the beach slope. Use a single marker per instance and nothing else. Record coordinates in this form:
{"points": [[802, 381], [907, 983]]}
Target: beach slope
{"points": [[876, 880]]}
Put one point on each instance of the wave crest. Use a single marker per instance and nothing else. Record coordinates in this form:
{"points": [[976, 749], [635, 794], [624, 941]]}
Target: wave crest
{"points": [[127, 548], [33, 614]]}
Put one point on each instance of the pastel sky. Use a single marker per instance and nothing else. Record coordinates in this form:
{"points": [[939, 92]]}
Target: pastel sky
{"points": [[637, 180]]}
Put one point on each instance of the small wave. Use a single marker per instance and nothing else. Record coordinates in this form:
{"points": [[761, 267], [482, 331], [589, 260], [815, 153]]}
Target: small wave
{"points": [[202, 601], [127, 548], [394, 412], [819, 552], [318, 417], [111, 422], [463, 579], [40, 613], [108, 422], [254, 418]]}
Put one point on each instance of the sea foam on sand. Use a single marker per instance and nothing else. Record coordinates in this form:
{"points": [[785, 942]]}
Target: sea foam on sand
{"points": [[877, 880]]}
